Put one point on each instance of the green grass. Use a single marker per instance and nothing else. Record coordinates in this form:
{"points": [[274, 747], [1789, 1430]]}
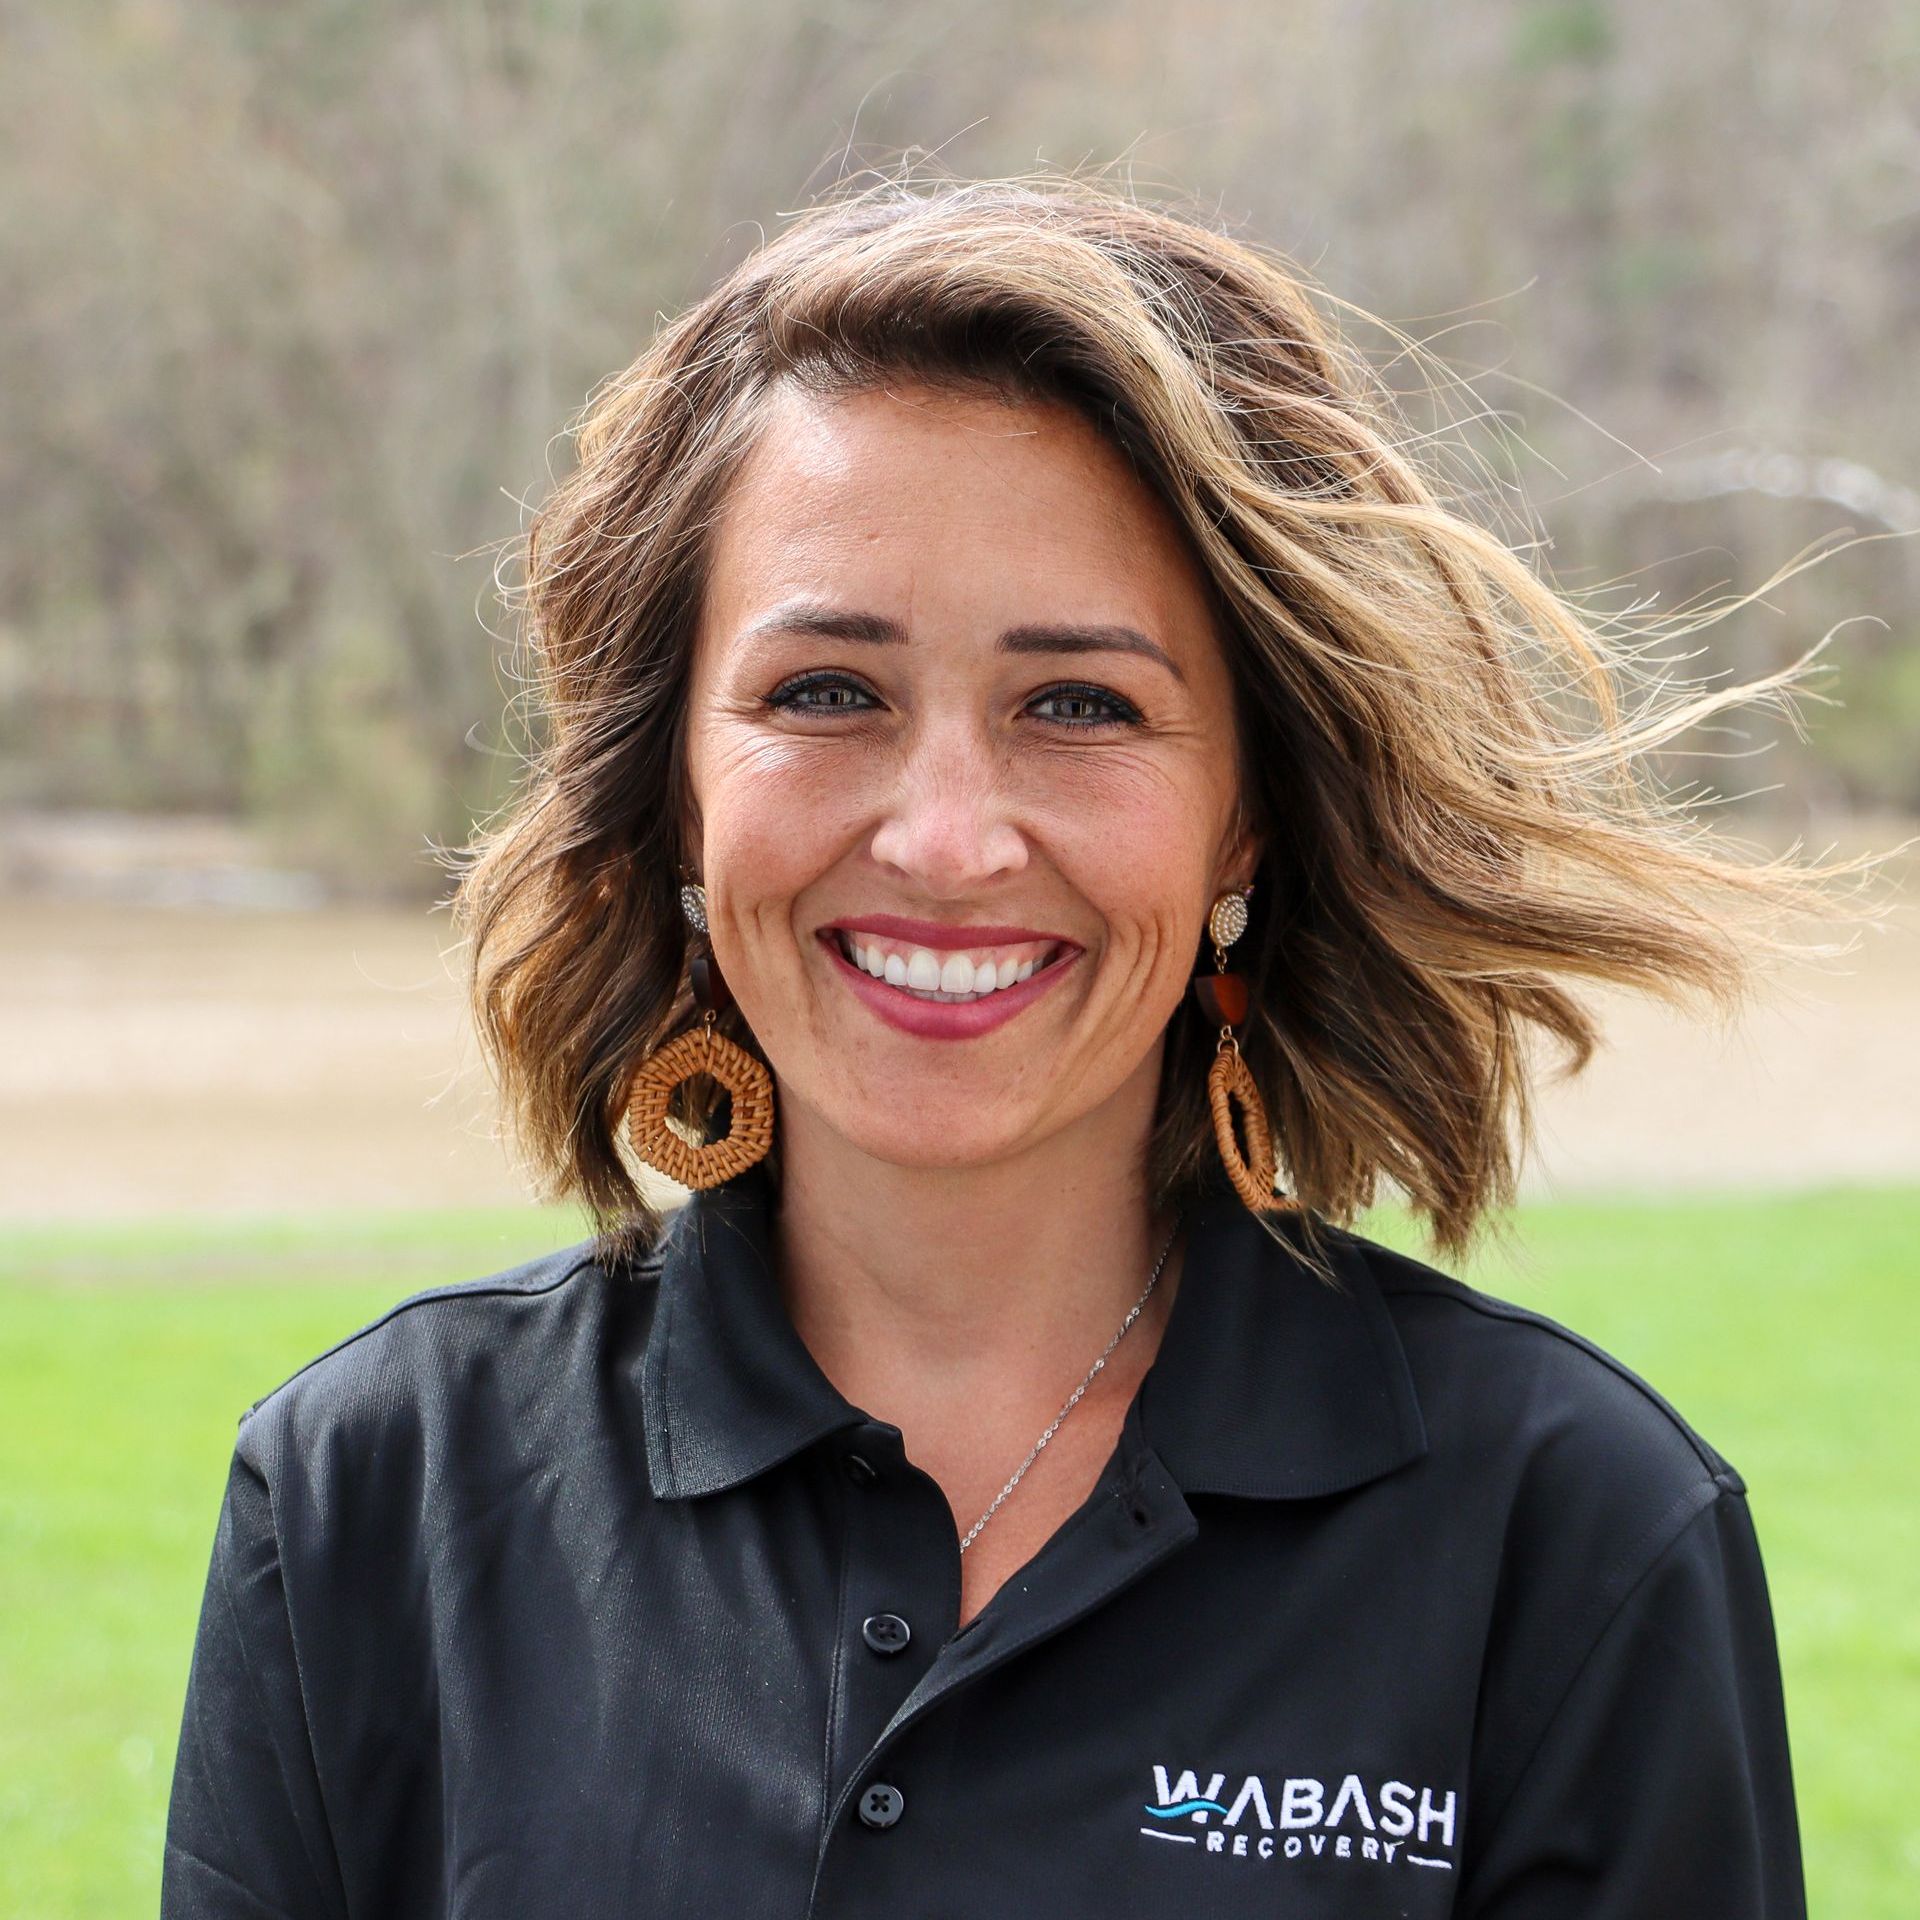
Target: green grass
{"points": [[1786, 1330], [127, 1356]]}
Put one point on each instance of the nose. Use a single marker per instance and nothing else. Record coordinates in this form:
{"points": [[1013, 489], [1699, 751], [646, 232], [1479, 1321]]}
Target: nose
{"points": [[947, 826]]}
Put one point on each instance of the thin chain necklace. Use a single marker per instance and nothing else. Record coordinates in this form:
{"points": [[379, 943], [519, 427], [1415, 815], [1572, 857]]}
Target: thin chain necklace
{"points": [[1073, 1399]]}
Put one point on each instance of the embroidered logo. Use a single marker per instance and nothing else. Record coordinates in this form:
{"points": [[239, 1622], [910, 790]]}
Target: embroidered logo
{"points": [[1390, 1824]]}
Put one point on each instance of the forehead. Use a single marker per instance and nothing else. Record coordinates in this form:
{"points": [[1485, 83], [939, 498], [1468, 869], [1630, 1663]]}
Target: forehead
{"points": [[921, 495]]}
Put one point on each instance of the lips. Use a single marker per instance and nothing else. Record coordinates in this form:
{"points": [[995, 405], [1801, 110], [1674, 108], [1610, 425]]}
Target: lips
{"points": [[943, 981]]}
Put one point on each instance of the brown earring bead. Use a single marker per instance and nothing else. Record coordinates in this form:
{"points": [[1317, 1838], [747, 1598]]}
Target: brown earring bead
{"points": [[1222, 998], [710, 990]]}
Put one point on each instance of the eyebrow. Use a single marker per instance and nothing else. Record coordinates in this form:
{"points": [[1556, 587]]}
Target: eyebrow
{"points": [[874, 629]]}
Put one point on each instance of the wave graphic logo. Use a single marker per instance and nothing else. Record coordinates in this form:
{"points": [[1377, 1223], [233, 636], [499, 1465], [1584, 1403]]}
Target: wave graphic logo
{"points": [[1315, 1819], [1181, 1807]]}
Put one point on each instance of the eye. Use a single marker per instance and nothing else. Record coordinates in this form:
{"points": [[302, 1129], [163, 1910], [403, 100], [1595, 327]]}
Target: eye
{"points": [[1087, 708], [1073, 706], [819, 692]]}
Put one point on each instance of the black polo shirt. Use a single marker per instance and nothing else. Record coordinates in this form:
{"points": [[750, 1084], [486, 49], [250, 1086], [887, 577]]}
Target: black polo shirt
{"points": [[584, 1593]]}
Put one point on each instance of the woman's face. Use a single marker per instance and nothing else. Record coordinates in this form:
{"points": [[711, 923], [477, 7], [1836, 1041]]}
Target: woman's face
{"points": [[962, 753]]}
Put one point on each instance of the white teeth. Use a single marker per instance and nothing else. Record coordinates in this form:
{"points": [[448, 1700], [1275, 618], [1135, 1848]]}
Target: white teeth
{"points": [[941, 973]]}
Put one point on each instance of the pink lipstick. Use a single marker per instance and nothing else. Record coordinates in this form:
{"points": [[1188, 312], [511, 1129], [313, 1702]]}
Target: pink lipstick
{"points": [[1031, 961]]}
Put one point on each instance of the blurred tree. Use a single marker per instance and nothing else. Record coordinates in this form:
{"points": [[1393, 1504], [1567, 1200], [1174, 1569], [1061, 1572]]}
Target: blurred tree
{"points": [[300, 298]]}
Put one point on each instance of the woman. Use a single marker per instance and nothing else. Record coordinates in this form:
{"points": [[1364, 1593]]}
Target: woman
{"points": [[1028, 763]]}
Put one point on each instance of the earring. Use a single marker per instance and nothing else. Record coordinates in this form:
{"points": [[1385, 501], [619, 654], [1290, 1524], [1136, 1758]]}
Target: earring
{"points": [[702, 1049], [1223, 998]]}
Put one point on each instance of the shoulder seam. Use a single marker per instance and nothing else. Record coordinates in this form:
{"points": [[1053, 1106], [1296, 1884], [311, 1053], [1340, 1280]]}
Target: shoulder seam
{"points": [[1458, 1293], [449, 1290], [1704, 1498]]}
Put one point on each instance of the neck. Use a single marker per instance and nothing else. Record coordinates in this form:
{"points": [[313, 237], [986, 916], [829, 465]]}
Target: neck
{"points": [[927, 1292]]}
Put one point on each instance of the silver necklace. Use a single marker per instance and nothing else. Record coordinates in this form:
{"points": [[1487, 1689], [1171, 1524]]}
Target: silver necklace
{"points": [[1073, 1399]]}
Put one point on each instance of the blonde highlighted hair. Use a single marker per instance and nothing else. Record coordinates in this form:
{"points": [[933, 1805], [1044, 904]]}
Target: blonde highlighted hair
{"points": [[1436, 744]]}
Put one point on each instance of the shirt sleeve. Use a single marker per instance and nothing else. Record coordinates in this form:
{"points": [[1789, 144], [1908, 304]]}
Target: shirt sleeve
{"points": [[1662, 1784], [247, 1835]]}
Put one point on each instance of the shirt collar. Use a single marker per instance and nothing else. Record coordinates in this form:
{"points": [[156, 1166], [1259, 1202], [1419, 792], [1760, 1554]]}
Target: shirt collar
{"points": [[1268, 1383]]}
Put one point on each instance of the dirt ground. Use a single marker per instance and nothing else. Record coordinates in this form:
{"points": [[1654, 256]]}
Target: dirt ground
{"points": [[161, 1058]]}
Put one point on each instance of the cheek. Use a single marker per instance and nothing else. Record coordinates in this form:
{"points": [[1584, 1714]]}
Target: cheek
{"points": [[1137, 835], [750, 783], [773, 816]]}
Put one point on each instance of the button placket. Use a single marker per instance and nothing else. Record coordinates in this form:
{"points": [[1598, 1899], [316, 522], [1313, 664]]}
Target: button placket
{"points": [[900, 1596]]}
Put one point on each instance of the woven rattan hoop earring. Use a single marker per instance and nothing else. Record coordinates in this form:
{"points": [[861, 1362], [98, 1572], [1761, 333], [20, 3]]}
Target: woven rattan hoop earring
{"points": [[702, 1049], [1231, 1089]]}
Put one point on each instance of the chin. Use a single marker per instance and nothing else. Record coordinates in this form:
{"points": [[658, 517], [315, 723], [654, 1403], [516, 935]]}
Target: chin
{"points": [[927, 1142]]}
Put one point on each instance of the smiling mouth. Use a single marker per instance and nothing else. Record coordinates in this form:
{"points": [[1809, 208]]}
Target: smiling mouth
{"points": [[957, 976]]}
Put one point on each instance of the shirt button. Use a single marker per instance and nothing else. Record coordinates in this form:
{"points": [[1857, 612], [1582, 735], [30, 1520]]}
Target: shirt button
{"points": [[860, 1470], [885, 1632], [880, 1805]]}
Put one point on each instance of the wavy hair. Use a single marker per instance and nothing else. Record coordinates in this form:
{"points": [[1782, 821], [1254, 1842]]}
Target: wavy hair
{"points": [[1447, 756]]}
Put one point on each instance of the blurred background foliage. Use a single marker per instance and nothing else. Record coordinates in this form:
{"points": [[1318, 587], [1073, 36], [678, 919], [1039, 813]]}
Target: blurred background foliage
{"points": [[301, 296]]}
